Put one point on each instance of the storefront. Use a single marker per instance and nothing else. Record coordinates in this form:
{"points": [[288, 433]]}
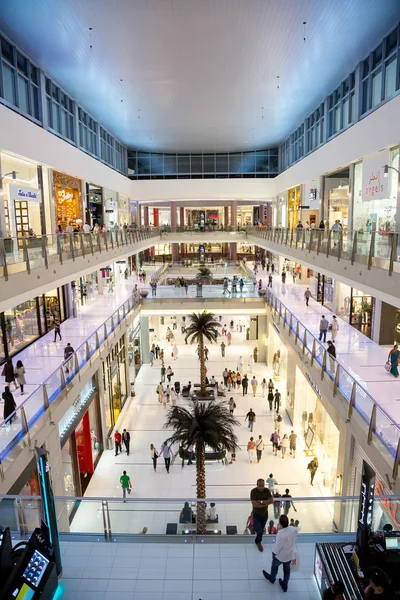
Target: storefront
{"points": [[276, 358], [245, 216], [84, 289], [159, 217], [23, 324], [124, 210], [336, 197], [320, 434], [22, 212], [95, 209], [208, 217], [134, 349], [67, 199], [294, 203], [322, 288], [356, 307], [115, 384], [81, 444], [375, 206]]}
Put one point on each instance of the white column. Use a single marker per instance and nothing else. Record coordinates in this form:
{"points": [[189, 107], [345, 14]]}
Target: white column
{"points": [[145, 339], [100, 290]]}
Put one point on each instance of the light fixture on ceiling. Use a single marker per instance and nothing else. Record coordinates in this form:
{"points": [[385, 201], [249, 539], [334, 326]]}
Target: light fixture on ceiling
{"points": [[304, 31], [277, 77], [7, 176], [386, 170], [90, 38]]}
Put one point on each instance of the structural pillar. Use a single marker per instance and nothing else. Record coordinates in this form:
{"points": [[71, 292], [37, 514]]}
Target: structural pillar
{"points": [[226, 216], [146, 215], [174, 247], [182, 216], [234, 213], [269, 213], [99, 282], [139, 215], [233, 251], [145, 339]]}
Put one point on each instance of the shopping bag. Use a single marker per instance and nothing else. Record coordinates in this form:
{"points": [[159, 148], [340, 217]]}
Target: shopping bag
{"points": [[388, 366], [295, 564]]}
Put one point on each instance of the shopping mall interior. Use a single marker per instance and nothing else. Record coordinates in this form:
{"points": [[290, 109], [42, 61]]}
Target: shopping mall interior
{"points": [[199, 300]]}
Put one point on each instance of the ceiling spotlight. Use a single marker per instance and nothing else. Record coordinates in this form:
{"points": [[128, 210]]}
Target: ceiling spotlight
{"points": [[304, 30]]}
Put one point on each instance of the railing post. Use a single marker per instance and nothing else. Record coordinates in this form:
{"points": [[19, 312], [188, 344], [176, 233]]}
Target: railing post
{"points": [[44, 251], [46, 402], [290, 324], [297, 332], [91, 242], [291, 237], [393, 252], [71, 245], [304, 342], [319, 241], [396, 462], [372, 425], [323, 370], [340, 245], [87, 351], [105, 238], [1, 471], [354, 248], [82, 243], [24, 421], [117, 237], [303, 238], [112, 323], [105, 331], [76, 363], [282, 235], [352, 403], [3, 257], [314, 347], [371, 249], [284, 320], [26, 255], [336, 379], [62, 378], [97, 341], [328, 243], [310, 241], [59, 249]]}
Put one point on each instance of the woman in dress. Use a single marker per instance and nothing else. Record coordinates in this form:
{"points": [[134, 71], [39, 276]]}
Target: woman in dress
{"points": [[20, 375], [393, 358], [9, 404], [8, 372], [154, 456]]}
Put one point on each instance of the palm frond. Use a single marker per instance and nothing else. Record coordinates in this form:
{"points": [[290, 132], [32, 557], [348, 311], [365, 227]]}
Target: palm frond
{"points": [[202, 324]]}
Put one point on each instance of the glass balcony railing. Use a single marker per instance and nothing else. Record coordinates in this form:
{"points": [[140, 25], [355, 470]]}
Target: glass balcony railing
{"points": [[379, 249], [25, 419], [112, 518], [28, 253], [381, 430]]}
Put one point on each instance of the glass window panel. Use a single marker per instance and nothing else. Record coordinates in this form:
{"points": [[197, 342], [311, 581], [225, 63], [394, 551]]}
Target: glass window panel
{"points": [[9, 84], [35, 101], [390, 77], [56, 117], [249, 162], [352, 115], [235, 163], [23, 99], [34, 75], [157, 164], [7, 51], [365, 96], [170, 164], [209, 163], [391, 42], [376, 88], [183, 164], [377, 56], [346, 119], [22, 64], [64, 123], [337, 119], [365, 67], [196, 163], [221, 163]]}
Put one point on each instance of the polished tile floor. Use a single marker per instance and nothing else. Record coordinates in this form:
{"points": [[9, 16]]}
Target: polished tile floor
{"points": [[102, 571]]}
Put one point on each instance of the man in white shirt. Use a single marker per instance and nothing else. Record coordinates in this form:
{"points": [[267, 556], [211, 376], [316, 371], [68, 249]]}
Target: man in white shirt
{"points": [[86, 228], [283, 553]]}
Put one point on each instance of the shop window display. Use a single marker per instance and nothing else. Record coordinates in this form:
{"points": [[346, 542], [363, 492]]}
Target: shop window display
{"points": [[67, 191], [21, 326], [294, 196], [115, 385]]}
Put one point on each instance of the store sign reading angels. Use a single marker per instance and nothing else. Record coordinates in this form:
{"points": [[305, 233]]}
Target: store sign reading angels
{"points": [[375, 184]]}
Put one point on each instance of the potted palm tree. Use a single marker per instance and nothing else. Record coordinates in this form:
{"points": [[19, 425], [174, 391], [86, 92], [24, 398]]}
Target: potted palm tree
{"points": [[204, 276], [202, 326], [203, 425]]}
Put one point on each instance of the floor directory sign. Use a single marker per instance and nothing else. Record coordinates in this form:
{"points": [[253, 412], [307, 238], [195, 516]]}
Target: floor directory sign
{"points": [[49, 517]]}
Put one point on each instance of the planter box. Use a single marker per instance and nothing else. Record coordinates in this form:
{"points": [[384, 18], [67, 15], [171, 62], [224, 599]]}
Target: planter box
{"points": [[196, 395], [144, 293]]}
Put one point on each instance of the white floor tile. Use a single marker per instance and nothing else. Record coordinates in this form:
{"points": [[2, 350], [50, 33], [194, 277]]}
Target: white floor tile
{"points": [[93, 585]]}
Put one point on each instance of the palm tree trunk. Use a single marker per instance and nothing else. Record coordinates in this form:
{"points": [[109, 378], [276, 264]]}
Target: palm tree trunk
{"points": [[201, 488], [203, 388]]}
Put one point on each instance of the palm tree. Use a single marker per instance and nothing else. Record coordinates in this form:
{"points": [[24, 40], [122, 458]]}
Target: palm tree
{"points": [[204, 276], [203, 424], [202, 326]]}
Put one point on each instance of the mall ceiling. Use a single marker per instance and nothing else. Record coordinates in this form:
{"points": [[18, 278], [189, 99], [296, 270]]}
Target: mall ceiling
{"points": [[198, 75]]}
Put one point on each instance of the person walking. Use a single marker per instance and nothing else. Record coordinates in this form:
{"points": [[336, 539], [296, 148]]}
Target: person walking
{"points": [[307, 295], [9, 405], [334, 327], [260, 498], [331, 350], [229, 381], [163, 371], [239, 365], [292, 443], [269, 281], [126, 484], [271, 385], [160, 391], [20, 375], [277, 421], [313, 467], [232, 405], [251, 450], [126, 438], [284, 444], [229, 338], [275, 439], [245, 384], [270, 399], [254, 384], [393, 359], [283, 276], [8, 372], [223, 346], [117, 441], [283, 553], [287, 504], [259, 447], [238, 380], [151, 357], [175, 352], [264, 387], [277, 504], [169, 374], [57, 328], [323, 328], [167, 454], [154, 456], [225, 376], [173, 396], [190, 453], [68, 352], [251, 418], [277, 400], [272, 268]]}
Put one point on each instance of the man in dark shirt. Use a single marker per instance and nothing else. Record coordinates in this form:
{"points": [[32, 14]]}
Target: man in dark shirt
{"points": [[277, 400], [260, 498], [126, 438], [245, 384], [251, 417], [68, 352]]}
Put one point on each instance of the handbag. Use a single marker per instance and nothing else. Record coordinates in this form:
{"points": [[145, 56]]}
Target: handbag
{"points": [[388, 366]]}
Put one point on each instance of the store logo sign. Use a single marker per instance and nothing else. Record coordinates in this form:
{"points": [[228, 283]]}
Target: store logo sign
{"points": [[375, 184], [18, 192], [314, 386]]}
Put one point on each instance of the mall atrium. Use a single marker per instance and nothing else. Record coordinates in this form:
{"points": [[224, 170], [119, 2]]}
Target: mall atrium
{"points": [[199, 290]]}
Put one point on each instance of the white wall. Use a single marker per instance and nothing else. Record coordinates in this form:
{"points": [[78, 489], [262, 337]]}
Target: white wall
{"points": [[23, 138]]}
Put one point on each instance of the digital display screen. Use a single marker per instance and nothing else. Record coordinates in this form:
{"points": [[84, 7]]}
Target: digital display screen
{"points": [[392, 543], [35, 569], [25, 593]]}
